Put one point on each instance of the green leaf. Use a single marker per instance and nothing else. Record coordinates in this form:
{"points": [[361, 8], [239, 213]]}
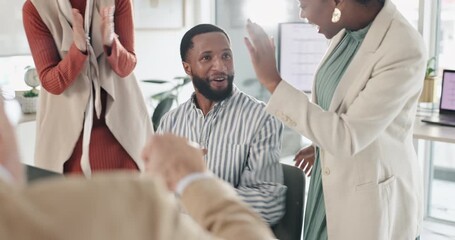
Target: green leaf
{"points": [[431, 67], [30, 93], [158, 81], [166, 98], [186, 80], [161, 95]]}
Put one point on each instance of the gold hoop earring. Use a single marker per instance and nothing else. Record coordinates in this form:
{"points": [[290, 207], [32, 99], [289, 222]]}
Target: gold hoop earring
{"points": [[336, 15]]}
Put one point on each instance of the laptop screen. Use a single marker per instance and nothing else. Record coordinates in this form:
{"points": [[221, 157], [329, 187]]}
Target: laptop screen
{"points": [[448, 91]]}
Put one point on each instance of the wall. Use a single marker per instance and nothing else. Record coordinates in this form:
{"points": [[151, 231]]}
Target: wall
{"points": [[12, 38], [158, 50]]}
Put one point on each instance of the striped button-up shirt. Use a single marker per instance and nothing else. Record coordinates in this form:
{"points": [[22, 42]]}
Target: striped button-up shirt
{"points": [[243, 143]]}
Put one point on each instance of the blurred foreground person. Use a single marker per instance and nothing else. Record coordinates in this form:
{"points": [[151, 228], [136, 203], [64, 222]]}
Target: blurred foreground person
{"points": [[124, 205]]}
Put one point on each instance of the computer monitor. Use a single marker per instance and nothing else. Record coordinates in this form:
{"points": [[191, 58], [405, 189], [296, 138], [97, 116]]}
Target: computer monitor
{"points": [[300, 50], [447, 103]]}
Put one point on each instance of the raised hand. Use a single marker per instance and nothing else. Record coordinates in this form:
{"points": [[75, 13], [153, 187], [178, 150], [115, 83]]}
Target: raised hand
{"points": [[262, 52], [304, 159], [107, 25], [80, 40], [172, 158]]}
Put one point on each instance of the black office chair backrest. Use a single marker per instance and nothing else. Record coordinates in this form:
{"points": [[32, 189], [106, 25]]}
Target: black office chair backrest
{"points": [[34, 173], [290, 226]]}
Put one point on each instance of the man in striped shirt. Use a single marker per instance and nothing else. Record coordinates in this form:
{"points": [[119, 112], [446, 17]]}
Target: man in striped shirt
{"points": [[243, 142]]}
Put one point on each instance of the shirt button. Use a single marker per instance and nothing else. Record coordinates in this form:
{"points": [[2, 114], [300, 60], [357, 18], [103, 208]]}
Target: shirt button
{"points": [[327, 171], [279, 114]]}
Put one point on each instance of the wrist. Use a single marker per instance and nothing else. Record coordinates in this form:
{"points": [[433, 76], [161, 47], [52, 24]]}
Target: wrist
{"points": [[110, 39], [189, 179], [272, 84]]}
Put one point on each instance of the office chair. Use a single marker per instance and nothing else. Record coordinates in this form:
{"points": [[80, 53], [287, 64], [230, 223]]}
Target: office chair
{"points": [[34, 173], [290, 226]]}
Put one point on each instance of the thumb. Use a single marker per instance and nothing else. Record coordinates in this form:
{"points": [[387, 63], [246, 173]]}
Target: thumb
{"points": [[308, 150], [272, 42]]}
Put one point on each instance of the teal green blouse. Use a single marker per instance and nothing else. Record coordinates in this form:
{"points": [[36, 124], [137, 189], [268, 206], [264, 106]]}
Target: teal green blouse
{"points": [[327, 79]]}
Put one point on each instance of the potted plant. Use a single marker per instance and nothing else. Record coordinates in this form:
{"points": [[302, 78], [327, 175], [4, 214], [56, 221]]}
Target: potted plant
{"points": [[29, 99], [427, 94], [166, 99]]}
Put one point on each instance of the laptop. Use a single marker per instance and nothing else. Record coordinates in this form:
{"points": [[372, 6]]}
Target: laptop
{"points": [[446, 115]]}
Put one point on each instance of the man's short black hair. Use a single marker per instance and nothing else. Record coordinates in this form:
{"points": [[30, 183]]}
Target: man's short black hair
{"points": [[367, 1], [187, 40]]}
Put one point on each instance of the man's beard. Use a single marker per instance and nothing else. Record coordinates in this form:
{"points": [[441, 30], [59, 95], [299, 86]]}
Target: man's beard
{"points": [[203, 86]]}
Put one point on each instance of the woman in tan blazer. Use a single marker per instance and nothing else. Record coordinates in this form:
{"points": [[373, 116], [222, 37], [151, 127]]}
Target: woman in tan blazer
{"points": [[365, 182]]}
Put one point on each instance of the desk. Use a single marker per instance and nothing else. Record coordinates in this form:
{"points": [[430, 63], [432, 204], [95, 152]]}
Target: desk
{"points": [[27, 117], [433, 132], [430, 133]]}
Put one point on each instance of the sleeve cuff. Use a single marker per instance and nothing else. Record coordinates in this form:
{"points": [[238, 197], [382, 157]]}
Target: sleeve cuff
{"points": [[186, 181]]}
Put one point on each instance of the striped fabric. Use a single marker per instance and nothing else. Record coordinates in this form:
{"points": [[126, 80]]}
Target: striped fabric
{"points": [[243, 144]]}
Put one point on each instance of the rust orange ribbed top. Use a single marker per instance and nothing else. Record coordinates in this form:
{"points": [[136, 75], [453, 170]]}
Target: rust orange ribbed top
{"points": [[57, 74]]}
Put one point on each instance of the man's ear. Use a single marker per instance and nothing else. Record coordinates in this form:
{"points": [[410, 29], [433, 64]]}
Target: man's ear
{"points": [[187, 68]]}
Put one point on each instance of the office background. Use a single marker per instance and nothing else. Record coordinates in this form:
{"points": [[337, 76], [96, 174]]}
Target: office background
{"points": [[157, 50]]}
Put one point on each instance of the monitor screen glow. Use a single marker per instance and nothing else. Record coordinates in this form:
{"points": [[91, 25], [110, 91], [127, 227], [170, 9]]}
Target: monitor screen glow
{"points": [[300, 50], [448, 91]]}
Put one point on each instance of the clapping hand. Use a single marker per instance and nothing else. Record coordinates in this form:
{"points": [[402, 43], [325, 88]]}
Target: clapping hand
{"points": [[107, 25], [79, 36], [172, 158]]}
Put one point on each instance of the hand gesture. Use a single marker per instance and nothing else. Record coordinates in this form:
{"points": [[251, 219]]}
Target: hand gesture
{"points": [[172, 158], [107, 25], [304, 159], [262, 53], [80, 40], [9, 154]]}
